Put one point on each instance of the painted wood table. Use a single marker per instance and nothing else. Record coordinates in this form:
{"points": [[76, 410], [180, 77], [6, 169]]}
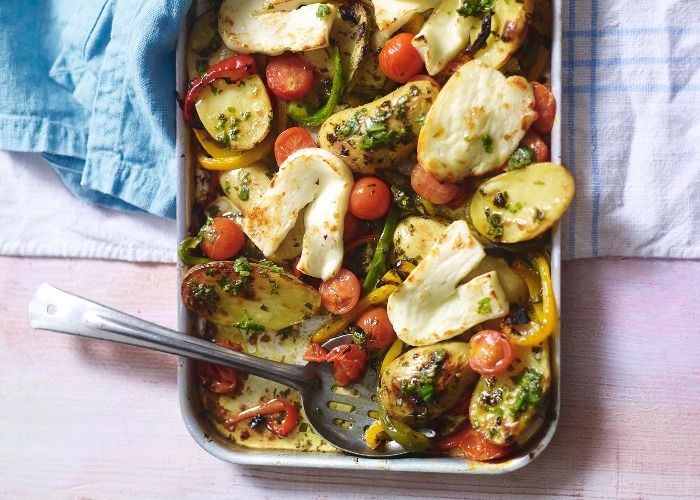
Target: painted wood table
{"points": [[86, 419]]}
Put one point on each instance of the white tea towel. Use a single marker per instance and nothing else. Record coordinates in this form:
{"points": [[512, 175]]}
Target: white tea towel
{"points": [[41, 218], [631, 127]]}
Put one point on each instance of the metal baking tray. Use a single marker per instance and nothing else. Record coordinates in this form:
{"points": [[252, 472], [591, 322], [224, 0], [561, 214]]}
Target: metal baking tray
{"points": [[195, 419]]}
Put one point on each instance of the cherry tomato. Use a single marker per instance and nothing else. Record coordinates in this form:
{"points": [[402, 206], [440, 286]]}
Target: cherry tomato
{"points": [[535, 142], [546, 107], [340, 293], [376, 323], [399, 60], [370, 198], [490, 352], [473, 445], [290, 141], [430, 188], [223, 239], [349, 363], [352, 227], [220, 379], [316, 353], [289, 76]]}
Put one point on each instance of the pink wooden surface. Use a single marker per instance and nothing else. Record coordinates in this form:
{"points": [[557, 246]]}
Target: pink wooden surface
{"points": [[84, 419]]}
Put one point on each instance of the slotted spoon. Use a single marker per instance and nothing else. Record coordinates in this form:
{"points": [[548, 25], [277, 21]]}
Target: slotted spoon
{"points": [[59, 311]]}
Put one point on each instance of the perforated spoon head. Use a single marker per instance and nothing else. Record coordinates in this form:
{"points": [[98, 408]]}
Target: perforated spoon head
{"points": [[341, 415]]}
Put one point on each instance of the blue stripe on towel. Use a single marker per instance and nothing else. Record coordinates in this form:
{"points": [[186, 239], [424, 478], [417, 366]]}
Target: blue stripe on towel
{"points": [[570, 120]]}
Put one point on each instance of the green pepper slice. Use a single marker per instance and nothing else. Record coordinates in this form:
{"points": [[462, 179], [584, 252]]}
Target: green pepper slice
{"points": [[298, 112]]}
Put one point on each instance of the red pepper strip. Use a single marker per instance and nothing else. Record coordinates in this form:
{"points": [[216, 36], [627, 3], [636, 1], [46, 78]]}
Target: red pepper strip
{"points": [[234, 68], [360, 241], [291, 419], [316, 353]]}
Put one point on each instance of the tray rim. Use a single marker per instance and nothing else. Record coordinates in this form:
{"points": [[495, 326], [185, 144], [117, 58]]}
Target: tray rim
{"points": [[217, 446]]}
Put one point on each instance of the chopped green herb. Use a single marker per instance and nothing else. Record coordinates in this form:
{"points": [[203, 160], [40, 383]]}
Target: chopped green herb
{"points": [[359, 336], [487, 143], [495, 229], [244, 192], [205, 296], [520, 158], [483, 307], [528, 387], [272, 266], [420, 119], [538, 215], [227, 187], [248, 324], [475, 8], [323, 11]]}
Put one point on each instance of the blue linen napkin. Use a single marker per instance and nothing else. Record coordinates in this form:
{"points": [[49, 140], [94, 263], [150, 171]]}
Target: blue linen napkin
{"points": [[91, 84]]}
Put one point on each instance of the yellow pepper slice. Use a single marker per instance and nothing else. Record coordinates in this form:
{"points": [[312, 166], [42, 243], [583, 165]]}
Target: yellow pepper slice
{"points": [[237, 160], [375, 435], [394, 352], [339, 324], [544, 312]]}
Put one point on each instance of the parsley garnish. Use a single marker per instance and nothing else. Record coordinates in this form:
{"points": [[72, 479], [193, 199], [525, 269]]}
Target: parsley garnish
{"points": [[323, 11], [495, 229], [248, 324], [244, 192], [476, 8], [483, 307], [487, 143], [520, 158], [424, 386], [233, 287]]}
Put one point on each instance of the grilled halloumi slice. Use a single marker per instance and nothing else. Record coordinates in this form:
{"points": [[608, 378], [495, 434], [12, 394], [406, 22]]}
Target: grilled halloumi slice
{"points": [[475, 123], [446, 33], [275, 26], [319, 183], [432, 305], [390, 15]]}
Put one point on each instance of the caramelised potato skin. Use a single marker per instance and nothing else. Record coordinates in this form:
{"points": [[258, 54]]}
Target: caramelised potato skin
{"points": [[382, 133], [424, 382]]}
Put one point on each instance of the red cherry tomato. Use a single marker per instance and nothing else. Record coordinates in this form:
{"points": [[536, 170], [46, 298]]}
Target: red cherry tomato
{"points": [[340, 293], [546, 107], [490, 352], [430, 188], [220, 379], [376, 323], [399, 60], [223, 239], [349, 363], [289, 76], [535, 142], [370, 198], [352, 227], [473, 445], [290, 141]]}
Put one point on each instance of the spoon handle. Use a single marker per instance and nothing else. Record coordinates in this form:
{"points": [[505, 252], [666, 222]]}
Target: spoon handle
{"points": [[59, 311]]}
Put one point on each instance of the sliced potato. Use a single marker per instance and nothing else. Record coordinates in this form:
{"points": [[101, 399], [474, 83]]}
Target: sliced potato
{"points": [[503, 407], [415, 236], [237, 115], [204, 45], [268, 298], [425, 382], [522, 204], [350, 33], [476, 123], [382, 133]]}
